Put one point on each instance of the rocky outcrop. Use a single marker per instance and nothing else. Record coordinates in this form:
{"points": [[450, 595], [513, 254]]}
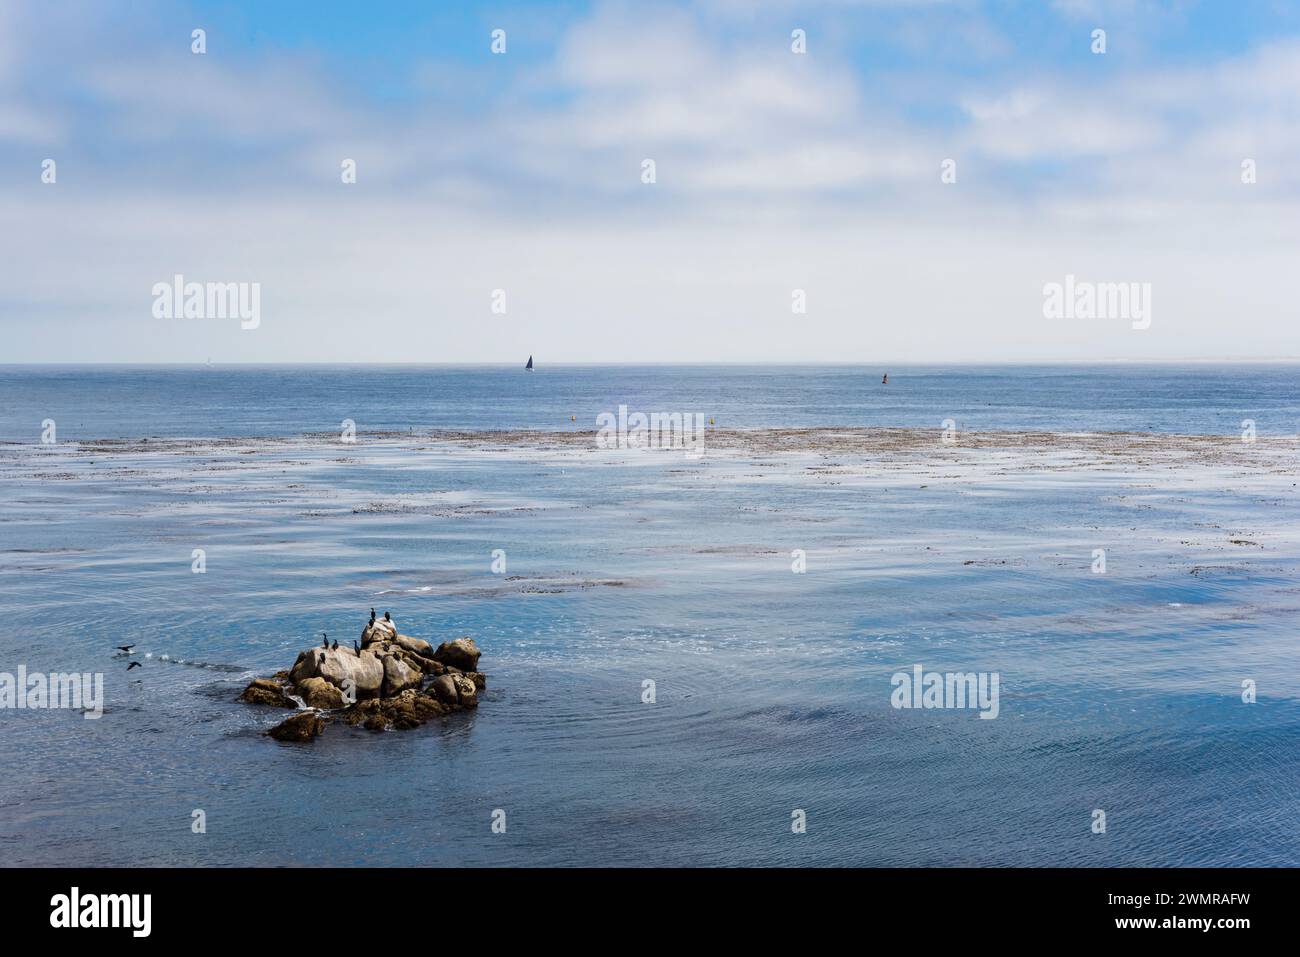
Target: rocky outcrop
{"points": [[302, 726], [379, 630], [266, 691], [455, 690], [467, 691], [399, 676], [444, 690], [462, 654], [356, 675], [320, 694], [416, 646], [410, 709], [394, 681]]}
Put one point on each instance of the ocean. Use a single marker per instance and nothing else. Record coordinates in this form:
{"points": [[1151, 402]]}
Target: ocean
{"points": [[202, 401], [769, 590]]}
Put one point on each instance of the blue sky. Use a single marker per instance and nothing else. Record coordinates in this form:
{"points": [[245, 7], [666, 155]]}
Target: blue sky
{"points": [[775, 172], [399, 33]]}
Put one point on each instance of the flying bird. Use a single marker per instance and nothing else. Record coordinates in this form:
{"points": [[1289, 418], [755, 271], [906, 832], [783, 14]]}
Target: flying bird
{"points": [[126, 648], [134, 664]]}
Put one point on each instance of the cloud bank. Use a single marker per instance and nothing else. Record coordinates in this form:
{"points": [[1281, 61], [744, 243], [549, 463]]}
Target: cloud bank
{"points": [[523, 172]]}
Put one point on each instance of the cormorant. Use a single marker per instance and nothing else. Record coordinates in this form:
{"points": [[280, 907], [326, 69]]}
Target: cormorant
{"points": [[126, 648], [326, 643], [134, 664], [335, 646], [387, 617], [355, 646]]}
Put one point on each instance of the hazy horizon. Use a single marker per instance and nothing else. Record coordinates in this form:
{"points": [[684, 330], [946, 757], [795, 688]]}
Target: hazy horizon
{"points": [[562, 363]]}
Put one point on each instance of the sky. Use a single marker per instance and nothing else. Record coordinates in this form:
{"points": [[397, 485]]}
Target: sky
{"points": [[798, 211]]}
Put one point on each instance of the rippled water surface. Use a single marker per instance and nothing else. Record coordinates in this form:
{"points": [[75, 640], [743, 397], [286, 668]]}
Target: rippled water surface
{"points": [[90, 402], [1119, 691]]}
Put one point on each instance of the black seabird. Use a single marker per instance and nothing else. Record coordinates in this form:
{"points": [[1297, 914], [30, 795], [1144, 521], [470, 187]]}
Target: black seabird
{"points": [[326, 643], [387, 617], [335, 646], [355, 646], [126, 648], [134, 664]]}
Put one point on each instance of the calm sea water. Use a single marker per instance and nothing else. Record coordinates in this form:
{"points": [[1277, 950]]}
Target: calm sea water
{"points": [[88, 402], [1118, 691]]}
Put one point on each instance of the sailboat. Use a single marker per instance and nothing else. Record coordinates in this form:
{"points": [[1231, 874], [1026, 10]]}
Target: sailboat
{"points": [[529, 367]]}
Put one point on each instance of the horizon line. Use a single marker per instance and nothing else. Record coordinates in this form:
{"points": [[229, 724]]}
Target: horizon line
{"points": [[560, 363]]}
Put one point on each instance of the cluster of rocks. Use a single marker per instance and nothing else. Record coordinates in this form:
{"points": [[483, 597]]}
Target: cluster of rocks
{"points": [[389, 681]]}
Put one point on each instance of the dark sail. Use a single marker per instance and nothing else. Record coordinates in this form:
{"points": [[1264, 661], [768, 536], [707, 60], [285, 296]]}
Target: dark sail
{"points": [[530, 363]]}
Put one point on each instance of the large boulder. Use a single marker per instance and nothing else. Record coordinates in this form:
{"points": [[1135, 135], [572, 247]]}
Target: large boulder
{"points": [[454, 690], [266, 691], [381, 636], [467, 691], [319, 693], [413, 661], [443, 689], [340, 666], [416, 646], [461, 653], [398, 676], [302, 726], [378, 630]]}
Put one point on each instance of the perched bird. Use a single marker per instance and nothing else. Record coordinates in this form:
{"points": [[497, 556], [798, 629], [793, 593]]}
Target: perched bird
{"points": [[326, 642], [335, 646], [322, 659], [372, 614], [126, 648], [134, 664], [355, 646], [388, 617]]}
